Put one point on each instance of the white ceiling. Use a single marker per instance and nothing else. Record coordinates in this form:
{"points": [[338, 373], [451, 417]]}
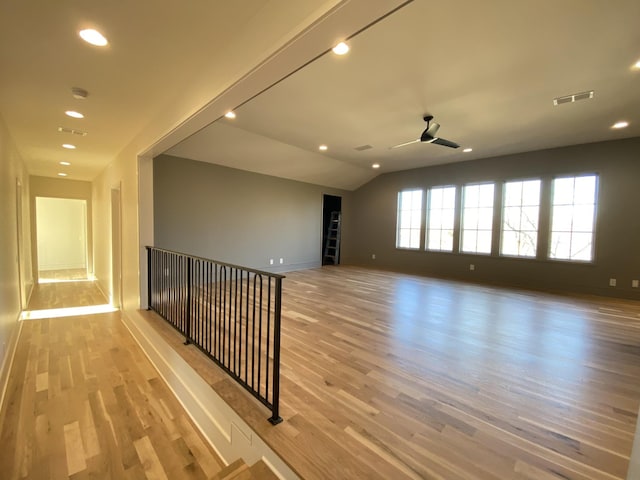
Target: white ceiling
{"points": [[488, 71], [165, 60]]}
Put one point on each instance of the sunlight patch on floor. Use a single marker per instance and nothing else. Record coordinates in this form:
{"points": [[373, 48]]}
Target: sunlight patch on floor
{"points": [[65, 280], [67, 312]]}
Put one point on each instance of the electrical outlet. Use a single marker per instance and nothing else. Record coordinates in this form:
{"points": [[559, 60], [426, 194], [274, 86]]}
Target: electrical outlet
{"points": [[634, 283], [472, 267], [612, 282], [271, 261], [281, 261], [373, 256]]}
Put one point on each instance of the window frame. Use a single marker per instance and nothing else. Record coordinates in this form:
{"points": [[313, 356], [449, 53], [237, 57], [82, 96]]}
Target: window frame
{"points": [[504, 206], [476, 230], [427, 217], [596, 195], [410, 228]]}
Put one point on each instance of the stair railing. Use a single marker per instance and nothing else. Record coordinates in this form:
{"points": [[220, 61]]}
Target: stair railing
{"points": [[231, 313]]}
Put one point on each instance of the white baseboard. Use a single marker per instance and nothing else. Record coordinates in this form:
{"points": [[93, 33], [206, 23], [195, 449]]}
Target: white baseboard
{"points": [[634, 461], [227, 433], [7, 362], [104, 293]]}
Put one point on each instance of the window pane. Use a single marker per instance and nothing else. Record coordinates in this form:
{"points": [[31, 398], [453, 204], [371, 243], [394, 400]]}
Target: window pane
{"points": [[447, 240], [469, 240], [471, 195], [560, 245], [513, 194], [447, 219], [563, 191], [581, 246], [486, 195], [509, 244], [562, 218], [585, 190], [484, 242], [583, 218], [414, 236], [449, 197], [485, 220], [531, 192], [470, 219], [403, 238], [527, 244], [512, 218], [434, 239]]}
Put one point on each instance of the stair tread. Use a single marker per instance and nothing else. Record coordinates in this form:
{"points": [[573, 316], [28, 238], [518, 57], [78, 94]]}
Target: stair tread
{"points": [[237, 470], [260, 470]]}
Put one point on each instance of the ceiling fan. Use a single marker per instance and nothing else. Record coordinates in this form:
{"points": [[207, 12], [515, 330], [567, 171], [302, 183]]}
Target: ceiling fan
{"points": [[429, 135]]}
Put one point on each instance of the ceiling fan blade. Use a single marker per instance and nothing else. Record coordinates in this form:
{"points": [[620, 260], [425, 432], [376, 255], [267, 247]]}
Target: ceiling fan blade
{"points": [[406, 143], [446, 143]]}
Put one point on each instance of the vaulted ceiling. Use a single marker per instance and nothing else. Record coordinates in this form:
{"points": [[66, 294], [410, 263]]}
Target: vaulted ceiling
{"points": [[488, 72]]}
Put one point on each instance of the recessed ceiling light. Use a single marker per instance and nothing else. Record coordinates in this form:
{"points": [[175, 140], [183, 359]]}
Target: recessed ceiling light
{"points": [[637, 65], [69, 146], [230, 114], [467, 150], [93, 37], [66, 164], [375, 165], [621, 124], [62, 174], [323, 148], [73, 114], [341, 48]]}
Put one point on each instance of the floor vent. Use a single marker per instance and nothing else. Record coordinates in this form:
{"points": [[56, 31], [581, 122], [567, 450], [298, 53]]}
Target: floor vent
{"points": [[573, 98]]}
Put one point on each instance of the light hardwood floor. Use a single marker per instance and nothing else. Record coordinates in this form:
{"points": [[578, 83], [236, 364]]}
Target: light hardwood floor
{"points": [[385, 376], [84, 402], [390, 376]]}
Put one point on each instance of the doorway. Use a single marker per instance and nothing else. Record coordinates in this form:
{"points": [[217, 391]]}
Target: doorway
{"points": [[330, 204], [116, 249], [19, 233], [61, 239]]}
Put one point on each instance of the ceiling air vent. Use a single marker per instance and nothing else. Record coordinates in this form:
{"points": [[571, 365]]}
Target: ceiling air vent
{"points": [[362, 148], [72, 131], [573, 98]]}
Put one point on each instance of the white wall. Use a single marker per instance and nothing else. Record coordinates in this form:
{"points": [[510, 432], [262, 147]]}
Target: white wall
{"points": [[61, 231], [12, 172]]}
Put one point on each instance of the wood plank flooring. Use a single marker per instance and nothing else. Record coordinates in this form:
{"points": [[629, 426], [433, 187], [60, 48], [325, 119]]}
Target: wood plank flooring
{"points": [[390, 376], [84, 402]]}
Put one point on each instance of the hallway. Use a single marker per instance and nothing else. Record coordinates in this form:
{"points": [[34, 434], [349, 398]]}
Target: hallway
{"points": [[83, 401]]}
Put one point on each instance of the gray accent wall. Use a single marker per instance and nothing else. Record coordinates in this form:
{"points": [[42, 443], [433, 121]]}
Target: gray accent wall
{"points": [[237, 216], [372, 229]]}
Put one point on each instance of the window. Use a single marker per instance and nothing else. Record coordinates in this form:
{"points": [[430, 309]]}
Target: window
{"points": [[573, 208], [520, 214], [442, 206], [409, 220], [477, 218]]}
